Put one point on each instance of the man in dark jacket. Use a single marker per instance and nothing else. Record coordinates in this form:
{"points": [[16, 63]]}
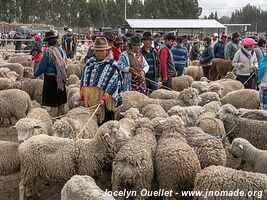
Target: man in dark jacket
{"points": [[151, 56], [17, 43], [69, 43], [219, 47]]}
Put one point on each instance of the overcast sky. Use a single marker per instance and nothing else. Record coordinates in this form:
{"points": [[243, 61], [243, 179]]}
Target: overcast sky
{"points": [[225, 7]]}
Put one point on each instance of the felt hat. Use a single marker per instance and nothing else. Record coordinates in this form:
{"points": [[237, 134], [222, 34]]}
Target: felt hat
{"points": [[119, 40], [135, 40], [248, 42], [147, 36], [110, 36], [50, 35], [100, 44]]}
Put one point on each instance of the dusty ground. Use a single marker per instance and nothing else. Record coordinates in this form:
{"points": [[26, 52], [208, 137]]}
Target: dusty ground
{"points": [[9, 185]]}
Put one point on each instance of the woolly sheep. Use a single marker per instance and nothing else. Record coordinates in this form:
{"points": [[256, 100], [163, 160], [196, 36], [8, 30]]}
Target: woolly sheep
{"points": [[132, 99], [83, 188], [189, 115], [223, 87], [73, 79], [201, 86], [6, 73], [205, 79], [213, 106], [72, 123], [176, 163], [214, 179], [245, 98], [208, 148], [28, 72], [152, 111], [9, 160], [219, 68], [133, 164], [23, 59], [208, 97], [74, 69], [82, 156], [195, 62], [34, 87], [16, 67], [6, 83], [252, 130], [73, 98], [196, 72], [229, 75], [164, 94], [132, 113], [181, 82], [254, 157], [209, 124], [37, 122], [253, 114], [14, 103], [128, 122]]}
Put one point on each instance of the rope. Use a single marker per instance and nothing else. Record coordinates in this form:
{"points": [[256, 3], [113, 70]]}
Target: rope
{"points": [[80, 133], [249, 78], [231, 130]]}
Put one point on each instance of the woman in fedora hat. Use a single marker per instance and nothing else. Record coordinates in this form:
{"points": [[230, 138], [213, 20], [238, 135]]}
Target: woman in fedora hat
{"points": [[134, 67], [53, 66], [101, 82]]}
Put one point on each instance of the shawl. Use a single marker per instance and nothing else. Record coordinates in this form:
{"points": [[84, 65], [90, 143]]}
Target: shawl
{"points": [[59, 61], [262, 67], [103, 74]]}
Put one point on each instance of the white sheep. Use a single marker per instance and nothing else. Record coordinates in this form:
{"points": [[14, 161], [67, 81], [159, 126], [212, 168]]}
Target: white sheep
{"points": [[9, 159], [37, 122], [73, 79], [181, 82], [16, 67], [152, 111], [73, 98], [208, 97], [73, 122], [62, 158], [224, 86], [83, 188], [196, 72], [201, 86], [164, 94]]}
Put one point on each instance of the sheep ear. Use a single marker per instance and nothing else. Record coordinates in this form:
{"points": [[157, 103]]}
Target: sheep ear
{"points": [[37, 127], [241, 146], [122, 113]]}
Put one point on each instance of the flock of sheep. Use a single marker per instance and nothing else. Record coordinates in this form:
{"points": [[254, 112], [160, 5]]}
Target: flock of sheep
{"points": [[201, 135]]}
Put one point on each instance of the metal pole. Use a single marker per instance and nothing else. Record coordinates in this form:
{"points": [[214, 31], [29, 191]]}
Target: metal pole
{"points": [[125, 9], [6, 43]]}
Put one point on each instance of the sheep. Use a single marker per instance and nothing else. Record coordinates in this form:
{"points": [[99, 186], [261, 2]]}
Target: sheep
{"points": [[196, 72], [245, 98], [132, 113], [219, 68], [6, 83], [213, 106], [73, 122], [208, 148], [34, 87], [16, 67], [229, 75], [152, 111], [208, 97], [38, 121], [218, 179], [189, 115], [132, 99], [83, 188], [164, 94], [254, 157], [9, 159], [176, 163], [25, 60], [73, 79], [252, 130], [253, 114], [223, 87], [182, 82], [195, 62], [73, 98], [6, 73], [28, 72], [205, 79], [201, 86], [209, 124], [62, 158], [74, 69], [14, 103], [133, 165]]}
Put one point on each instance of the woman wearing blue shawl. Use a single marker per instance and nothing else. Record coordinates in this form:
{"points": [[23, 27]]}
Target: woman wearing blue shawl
{"points": [[263, 83]]}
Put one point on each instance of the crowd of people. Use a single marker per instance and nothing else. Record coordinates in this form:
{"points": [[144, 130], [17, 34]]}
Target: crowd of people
{"points": [[115, 64]]}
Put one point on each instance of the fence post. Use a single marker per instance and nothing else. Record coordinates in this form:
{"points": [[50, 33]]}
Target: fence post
{"points": [[6, 45]]}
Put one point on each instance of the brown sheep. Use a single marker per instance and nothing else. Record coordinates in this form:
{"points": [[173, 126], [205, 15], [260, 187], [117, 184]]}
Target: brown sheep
{"points": [[219, 68]]}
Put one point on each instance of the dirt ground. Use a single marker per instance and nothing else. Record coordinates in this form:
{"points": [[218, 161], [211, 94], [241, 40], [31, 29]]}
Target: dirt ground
{"points": [[9, 185]]}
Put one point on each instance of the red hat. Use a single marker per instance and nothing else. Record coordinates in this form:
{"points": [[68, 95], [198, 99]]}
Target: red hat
{"points": [[248, 42]]}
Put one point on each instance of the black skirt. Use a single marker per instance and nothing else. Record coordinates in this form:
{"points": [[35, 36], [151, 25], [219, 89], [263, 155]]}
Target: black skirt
{"points": [[52, 96]]}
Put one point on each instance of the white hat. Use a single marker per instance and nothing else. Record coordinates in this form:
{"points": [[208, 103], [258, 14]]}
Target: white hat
{"points": [[69, 30], [215, 35]]}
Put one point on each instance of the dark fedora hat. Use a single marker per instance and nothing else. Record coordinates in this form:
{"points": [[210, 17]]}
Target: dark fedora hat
{"points": [[119, 40], [147, 36], [135, 40], [50, 35], [110, 36]]}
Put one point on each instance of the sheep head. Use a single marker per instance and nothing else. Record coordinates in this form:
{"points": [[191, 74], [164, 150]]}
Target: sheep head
{"points": [[27, 127], [66, 128], [217, 88], [239, 146], [28, 72], [190, 96], [112, 133], [143, 124], [227, 113], [132, 113]]}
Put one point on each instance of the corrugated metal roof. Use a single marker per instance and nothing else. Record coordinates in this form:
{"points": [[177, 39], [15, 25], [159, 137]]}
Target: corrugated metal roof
{"points": [[174, 23]]}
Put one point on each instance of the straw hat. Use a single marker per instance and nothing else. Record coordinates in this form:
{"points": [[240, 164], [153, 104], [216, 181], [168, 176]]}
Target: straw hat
{"points": [[100, 44]]}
